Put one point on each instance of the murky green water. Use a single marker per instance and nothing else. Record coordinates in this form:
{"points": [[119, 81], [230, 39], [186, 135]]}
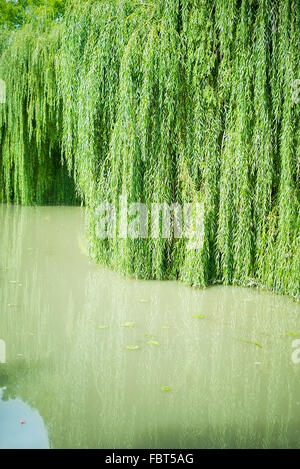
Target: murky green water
{"points": [[75, 384]]}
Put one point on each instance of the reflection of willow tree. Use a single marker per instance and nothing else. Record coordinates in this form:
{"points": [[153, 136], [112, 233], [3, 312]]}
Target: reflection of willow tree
{"points": [[92, 392], [217, 399], [178, 101]]}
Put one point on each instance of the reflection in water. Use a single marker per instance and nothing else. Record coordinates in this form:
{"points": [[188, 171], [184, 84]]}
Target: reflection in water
{"points": [[232, 380], [31, 433]]}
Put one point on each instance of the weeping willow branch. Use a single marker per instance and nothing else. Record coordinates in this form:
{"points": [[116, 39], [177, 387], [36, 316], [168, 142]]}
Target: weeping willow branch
{"points": [[164, 101]]}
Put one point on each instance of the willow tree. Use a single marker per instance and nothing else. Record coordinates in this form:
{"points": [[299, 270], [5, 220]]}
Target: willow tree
{"points": [[31, 169], [165, 101]]}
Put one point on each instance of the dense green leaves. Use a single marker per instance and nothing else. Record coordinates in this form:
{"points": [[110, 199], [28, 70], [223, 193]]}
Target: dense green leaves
{"points": [[163, 101]]}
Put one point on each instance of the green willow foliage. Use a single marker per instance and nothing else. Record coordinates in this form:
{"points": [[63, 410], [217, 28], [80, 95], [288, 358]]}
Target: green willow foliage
{"points": [[164, 101], [30, 121]]}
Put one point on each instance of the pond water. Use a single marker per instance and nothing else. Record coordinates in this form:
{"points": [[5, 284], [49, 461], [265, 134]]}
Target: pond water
{"points": [[219, 374]]}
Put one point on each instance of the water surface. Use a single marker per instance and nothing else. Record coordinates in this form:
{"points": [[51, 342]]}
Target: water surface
{"points": [[75, 384]]}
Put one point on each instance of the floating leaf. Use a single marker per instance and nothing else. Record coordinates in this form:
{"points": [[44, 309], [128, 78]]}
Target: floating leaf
{"points": [[127, 324], [249, 342], [144, 301], [148, 335], [165, 388], [153, 342], [257, 345], [199, 316], [165, 327], [101, 326], [132, 347], [292, 334]]}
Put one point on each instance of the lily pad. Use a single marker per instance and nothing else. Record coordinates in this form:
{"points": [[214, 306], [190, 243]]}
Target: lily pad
{"points": [[144, 301], [153, 342], [199, 316], [292, 334], [250, 343], [148, 335], [127, 324], [165, 327], [132, 347], [165, 388]]}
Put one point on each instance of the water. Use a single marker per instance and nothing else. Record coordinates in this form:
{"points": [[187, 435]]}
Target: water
{"points": [[75, 385]]}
